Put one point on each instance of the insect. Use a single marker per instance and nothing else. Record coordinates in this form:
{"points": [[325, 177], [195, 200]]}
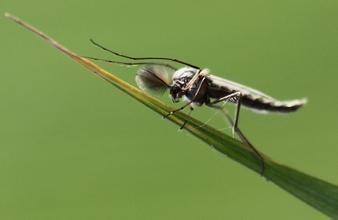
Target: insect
{"points": [[198, 87]]}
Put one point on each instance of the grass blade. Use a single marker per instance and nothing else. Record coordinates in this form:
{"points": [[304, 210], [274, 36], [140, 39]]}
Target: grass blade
{"points": [[318, 193]]}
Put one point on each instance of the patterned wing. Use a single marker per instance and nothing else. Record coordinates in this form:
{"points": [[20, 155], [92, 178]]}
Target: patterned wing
{"points": [[154, 78]]}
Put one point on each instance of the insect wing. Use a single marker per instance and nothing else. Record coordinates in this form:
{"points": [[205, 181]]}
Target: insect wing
{"points": [[154, 78], [233, 86], [255, 99]]}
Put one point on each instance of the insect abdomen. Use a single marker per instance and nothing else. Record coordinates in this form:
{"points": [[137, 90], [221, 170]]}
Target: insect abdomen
{"points": [[267, 105]]}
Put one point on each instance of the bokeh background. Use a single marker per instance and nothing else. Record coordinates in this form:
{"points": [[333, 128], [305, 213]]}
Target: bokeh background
{"points": [[74, 147]]}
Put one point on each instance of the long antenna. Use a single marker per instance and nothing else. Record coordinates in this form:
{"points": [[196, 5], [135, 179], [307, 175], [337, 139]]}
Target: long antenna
{"points": [[131, 63], [143, 58]]}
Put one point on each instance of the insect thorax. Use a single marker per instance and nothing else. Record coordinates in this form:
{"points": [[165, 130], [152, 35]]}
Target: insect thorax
{"points": [[186, 82], [179, 81]]}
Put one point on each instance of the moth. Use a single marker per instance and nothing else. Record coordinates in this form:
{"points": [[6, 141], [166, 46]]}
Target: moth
{"points": [[198, 87]]}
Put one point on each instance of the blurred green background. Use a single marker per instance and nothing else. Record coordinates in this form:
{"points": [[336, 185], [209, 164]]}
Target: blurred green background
{"points": [[74, 147]]}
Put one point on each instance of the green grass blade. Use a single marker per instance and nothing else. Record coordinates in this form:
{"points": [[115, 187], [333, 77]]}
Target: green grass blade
{"points": [[318, 193]]}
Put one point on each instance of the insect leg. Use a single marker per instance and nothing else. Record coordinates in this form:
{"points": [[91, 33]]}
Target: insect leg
{"points": [[190, 102], [237, 130], [143, 58], [185, 122], [193, 80], [238, 106]]}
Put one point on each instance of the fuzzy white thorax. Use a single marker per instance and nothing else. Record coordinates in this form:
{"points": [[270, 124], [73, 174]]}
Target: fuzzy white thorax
{"points": [[189, 72], [184, 72]]}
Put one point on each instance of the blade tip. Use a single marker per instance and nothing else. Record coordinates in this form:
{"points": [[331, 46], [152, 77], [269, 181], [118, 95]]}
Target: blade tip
{"points": [[7, 15]]}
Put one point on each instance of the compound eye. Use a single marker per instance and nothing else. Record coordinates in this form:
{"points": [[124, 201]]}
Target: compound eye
{"points": [[175, 92]]}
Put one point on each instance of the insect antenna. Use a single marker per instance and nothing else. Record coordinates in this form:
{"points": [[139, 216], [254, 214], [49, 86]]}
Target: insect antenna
{"points": [[142, 58], [131, 63]]}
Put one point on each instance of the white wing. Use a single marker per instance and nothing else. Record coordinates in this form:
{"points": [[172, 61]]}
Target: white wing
{"points": [[245, 90], [255, 99]]}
